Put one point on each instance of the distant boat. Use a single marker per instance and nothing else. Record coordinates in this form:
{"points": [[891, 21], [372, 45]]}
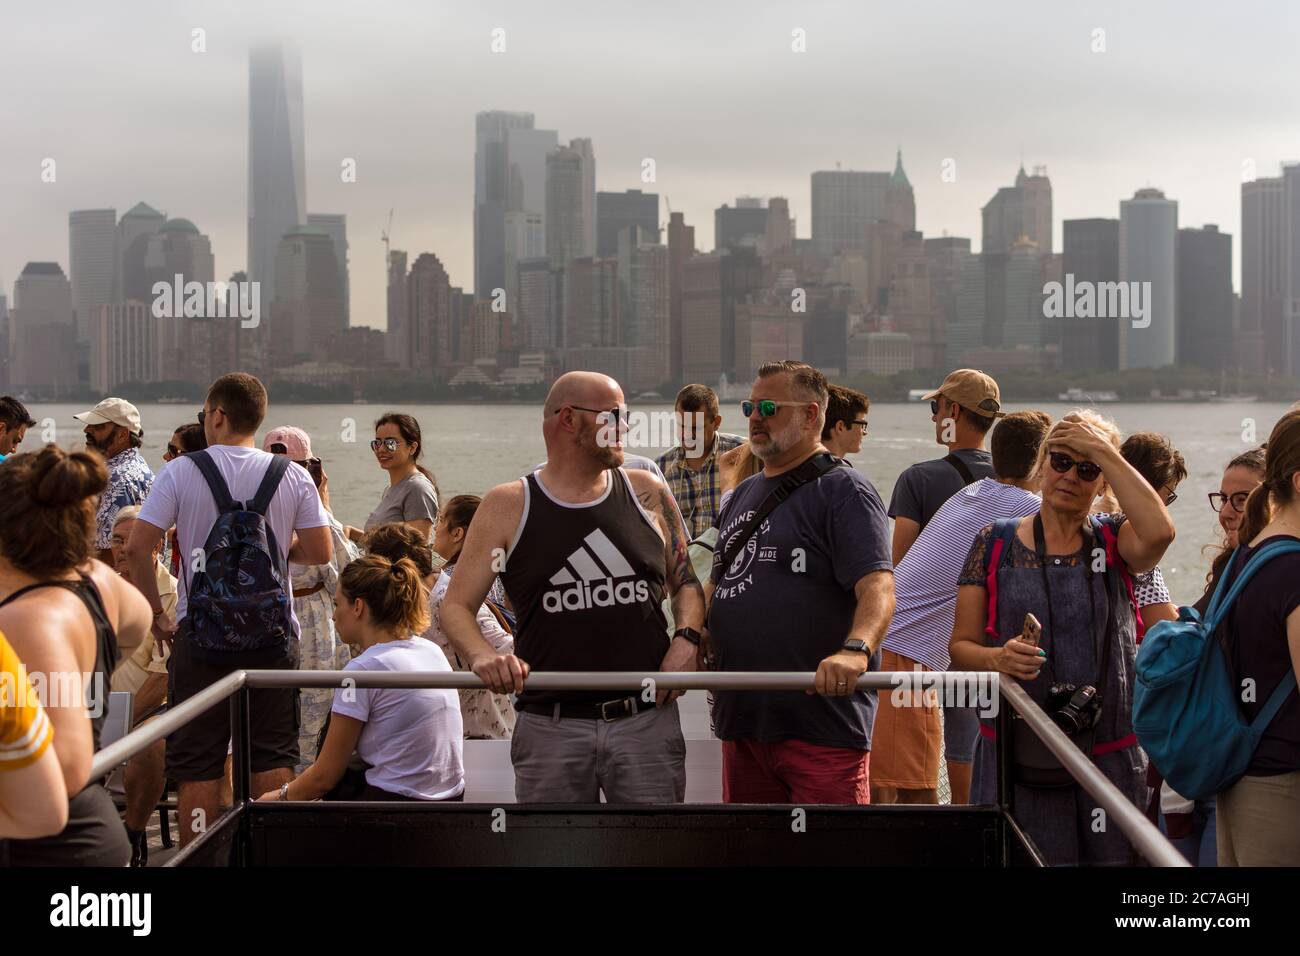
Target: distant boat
{"points": [[918, 394], [359, 401], [173, 400], [1235, 398], [1090, 398]]}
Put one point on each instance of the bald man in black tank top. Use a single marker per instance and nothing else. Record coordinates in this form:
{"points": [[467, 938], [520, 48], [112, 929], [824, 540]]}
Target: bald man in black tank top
{"points": [[586, 550]]}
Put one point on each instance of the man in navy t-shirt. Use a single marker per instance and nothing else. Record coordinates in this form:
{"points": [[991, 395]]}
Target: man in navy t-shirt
{"points": [[811, 590]]}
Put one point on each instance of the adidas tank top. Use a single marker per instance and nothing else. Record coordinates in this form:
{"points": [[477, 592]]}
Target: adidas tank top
{"points": [[587, 584]]}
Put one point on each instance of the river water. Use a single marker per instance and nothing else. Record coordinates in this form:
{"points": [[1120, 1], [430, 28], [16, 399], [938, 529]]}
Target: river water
{"points": [[473, 447]]}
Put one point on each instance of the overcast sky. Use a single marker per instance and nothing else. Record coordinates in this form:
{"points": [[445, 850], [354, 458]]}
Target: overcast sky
{"points": [[1184, 93]]}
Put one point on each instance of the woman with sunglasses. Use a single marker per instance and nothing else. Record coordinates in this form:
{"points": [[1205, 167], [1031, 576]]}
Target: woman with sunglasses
{"points": [[1239, 479], [319, 646], [185, 439], [412, 493], [1073, 573]]}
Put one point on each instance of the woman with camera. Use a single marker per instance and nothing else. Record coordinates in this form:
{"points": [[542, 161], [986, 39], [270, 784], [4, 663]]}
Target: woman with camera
{"points": [[1073, 571], [319, 646]]}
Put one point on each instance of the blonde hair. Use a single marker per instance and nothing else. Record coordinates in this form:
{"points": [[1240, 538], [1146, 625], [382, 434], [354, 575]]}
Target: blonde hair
{"points": [[1106, 503]]}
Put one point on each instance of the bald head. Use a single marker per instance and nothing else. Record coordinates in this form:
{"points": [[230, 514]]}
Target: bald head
{"points": [[583, 388]]}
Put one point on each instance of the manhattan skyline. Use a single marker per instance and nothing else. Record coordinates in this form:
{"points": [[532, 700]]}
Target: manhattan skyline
{"points": [[718, 100]]}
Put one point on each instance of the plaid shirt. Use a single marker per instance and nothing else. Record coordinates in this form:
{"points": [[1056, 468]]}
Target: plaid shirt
{"points": [[697, 492]]}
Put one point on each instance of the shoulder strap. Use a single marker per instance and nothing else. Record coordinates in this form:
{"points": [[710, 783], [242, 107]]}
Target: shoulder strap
{"points": [[66, 585], [1104, 529], [1215, 612], [962, 468], [216, 484], [810, 470], [995, 553], [270, 481]]}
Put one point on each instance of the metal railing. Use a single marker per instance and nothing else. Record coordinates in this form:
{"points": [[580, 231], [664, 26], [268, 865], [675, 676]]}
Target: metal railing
{"points": [[1140, 832]]}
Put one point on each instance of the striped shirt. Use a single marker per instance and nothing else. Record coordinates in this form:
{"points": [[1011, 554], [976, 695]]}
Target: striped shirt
{"points": [[25, 730], [698, 493], [925, 581]]}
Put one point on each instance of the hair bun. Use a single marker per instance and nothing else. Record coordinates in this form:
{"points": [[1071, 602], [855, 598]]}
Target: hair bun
{"points": [[61, 478]]}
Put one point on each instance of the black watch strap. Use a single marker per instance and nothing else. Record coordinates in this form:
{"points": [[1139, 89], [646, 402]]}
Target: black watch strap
{"points": [[856, 645], [690, 633]]}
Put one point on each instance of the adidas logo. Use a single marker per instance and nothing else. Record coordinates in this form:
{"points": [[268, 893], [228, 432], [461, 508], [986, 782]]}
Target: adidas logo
{"points": [[594, 585]]}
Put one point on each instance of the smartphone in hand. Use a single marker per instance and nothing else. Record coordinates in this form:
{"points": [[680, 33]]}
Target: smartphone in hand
{"points": [[1033, 631]]}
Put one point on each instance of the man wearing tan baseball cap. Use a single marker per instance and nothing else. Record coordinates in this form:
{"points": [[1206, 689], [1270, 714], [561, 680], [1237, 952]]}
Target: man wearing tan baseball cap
{"points": [[113, 429], [963, 410]]}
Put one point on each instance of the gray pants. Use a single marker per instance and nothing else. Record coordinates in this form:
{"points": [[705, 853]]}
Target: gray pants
{"points": [[639, 759]]}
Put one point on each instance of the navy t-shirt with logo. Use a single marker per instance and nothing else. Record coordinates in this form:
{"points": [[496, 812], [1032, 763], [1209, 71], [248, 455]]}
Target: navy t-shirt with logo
{"points": [[787, 602]]}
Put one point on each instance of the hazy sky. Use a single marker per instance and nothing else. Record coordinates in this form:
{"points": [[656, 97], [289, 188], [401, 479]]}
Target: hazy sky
{"points": [[1183, 94]]}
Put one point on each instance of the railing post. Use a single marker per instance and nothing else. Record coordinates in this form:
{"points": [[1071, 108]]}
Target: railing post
{"points": [[1006, 784], [240, 757]]}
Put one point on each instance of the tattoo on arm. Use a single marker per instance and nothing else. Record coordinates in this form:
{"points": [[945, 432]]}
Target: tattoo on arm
{"points": [[676, 544]]}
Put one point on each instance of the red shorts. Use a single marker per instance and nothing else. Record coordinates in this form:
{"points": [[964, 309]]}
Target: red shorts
{"points": [[792, 771]]}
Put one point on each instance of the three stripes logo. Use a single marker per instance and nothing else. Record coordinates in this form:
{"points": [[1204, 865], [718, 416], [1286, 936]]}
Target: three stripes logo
{"points": [[596, 564]]}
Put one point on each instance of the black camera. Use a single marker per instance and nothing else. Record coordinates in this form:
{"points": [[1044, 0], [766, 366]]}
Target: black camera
{"points": [[1074, 709]]}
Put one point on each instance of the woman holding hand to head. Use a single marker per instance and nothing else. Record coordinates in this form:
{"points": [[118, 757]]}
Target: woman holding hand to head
{"points": [[411, 738], [412, 493], [1048, 565]]}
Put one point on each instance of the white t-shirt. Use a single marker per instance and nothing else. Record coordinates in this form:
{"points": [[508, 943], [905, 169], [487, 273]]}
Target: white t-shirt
{"points": [[412, 737], [180, 497], [488, 626]]}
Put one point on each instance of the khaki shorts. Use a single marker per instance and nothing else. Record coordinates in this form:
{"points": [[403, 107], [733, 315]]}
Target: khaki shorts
{"points": [[907, 740]]}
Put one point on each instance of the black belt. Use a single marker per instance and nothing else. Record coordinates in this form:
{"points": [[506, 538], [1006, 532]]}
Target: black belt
{"points": [[608, 710]]}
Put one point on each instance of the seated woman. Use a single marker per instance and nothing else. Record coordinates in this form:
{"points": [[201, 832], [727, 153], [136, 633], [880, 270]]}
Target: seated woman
{"points": [[33, 797], [409, 737], [487, 716], [1051, 566]]}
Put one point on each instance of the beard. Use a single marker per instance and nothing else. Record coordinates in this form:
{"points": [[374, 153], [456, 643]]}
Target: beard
{"points": [[778, 443]]}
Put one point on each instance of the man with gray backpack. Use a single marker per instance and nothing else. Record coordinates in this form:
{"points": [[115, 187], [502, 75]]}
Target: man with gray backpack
{"points": [[241, 514]]}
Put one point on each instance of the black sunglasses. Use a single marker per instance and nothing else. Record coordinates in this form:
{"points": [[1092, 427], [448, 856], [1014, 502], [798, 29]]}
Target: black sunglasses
{"points": [[1062, 463], [174, 451], [1237, 499], [616, 413]]}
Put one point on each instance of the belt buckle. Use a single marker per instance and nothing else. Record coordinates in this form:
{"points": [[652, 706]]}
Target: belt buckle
{"points": [[604, 712]]}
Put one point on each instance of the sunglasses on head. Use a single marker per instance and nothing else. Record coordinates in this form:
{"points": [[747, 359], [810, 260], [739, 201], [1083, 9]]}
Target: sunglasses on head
{"points": [[765, 407], [1238, 500], [1062, 463]]}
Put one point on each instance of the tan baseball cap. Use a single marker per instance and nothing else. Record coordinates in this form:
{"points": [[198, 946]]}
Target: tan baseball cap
{"points": [[116, 410], [972, 390]]}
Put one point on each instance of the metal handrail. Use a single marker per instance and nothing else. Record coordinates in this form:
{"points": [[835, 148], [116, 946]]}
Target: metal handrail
{"points": [[1141, 833]]}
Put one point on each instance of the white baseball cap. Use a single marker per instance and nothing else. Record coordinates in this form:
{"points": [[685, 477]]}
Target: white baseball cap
{"points": [[118, 411]]}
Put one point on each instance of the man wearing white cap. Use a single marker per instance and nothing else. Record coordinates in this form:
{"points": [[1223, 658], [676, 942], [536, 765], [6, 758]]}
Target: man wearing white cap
{"points": [[113, 429]]}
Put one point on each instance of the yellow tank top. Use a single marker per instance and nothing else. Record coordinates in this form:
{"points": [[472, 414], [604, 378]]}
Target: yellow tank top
{"points": [[25, 729]]}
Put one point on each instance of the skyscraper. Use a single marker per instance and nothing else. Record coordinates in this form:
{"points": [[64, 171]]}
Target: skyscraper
{"points": [[616, 211], [397, 344], [92, 262], [136, 226], [335, 226], [732, 225], [681, 246], [1091, 255], [277, 187], [566, 232], [1205, 306], [1024, 209], [308, 311], [844, 202], [1263, 274], [1148, 227], [430, 315], [900, 200], [525, 239], [43, 333], [1290, 362]]}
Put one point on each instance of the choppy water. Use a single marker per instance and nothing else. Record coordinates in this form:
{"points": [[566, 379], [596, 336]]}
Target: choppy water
{"points": [[473, 447]]}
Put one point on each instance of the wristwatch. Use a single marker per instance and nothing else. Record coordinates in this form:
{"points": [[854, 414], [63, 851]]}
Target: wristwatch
{"points": [[690, 633], [284, 791], [856, 645]]}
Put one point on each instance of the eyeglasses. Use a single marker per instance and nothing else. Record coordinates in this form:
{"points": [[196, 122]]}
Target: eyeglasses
{"points": [[617, 413], [1062, 463], [934, 406], [388, 444], [766, 407], [1237, 499], [861, 423], [1171, 498]]}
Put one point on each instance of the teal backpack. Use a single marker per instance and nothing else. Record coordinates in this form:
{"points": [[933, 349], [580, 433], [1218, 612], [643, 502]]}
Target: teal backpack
{"points": [[1186, 709]]}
